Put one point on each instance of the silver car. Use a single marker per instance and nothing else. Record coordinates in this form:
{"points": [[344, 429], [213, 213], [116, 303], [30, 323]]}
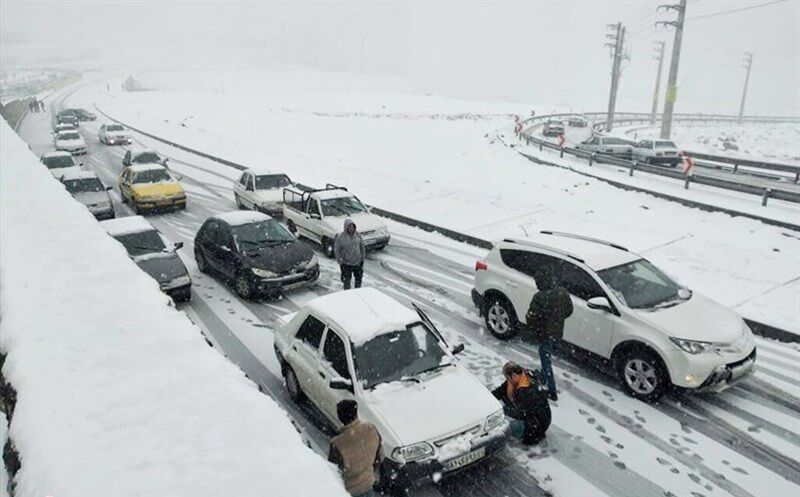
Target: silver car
{"points": [[608, 145], [86, 188]]}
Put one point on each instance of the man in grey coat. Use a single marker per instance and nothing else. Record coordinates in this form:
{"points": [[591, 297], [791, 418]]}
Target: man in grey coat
{"points": [[350, 252]]}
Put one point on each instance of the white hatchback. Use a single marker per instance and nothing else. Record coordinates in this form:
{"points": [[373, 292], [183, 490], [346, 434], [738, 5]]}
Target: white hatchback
{"points": [[261, 191], [434, 417], [653, 331]]}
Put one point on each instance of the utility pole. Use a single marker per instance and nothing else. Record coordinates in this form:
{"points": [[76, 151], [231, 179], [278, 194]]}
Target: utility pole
{"points": [[748, 64], [660, 56], [672, 80], [616, 43]]}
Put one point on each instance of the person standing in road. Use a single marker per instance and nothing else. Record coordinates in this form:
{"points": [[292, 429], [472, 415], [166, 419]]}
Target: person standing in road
{"points": [[357, 451], [549, 308], [524, 403], [350, 252]]}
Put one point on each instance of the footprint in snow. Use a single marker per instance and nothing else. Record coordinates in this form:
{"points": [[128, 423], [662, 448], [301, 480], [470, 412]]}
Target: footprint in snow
{"points": [[674, 441], [640, 418], [620, 465], [694, 478], [740, 470], [689, 440], [663, 462], [600, 428], [590, 420], [582, 412], [686, 429], [613, 455], [697, 494], [675, 470], [608, 396], [754, 429], [606, 439], [619, 446]]}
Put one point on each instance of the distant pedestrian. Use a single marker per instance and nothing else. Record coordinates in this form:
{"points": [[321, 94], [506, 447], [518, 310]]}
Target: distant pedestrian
{"points": [[350, 252], [524, 402], [550, 307], [357, 450]]}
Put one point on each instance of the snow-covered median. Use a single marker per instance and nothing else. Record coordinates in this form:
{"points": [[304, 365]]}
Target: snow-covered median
{"points": [[117, 392]]}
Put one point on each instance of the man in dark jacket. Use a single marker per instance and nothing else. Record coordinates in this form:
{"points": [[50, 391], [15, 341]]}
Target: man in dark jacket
{"points": [[525, 403], [350, 252], [549, 308], [357, 450]]}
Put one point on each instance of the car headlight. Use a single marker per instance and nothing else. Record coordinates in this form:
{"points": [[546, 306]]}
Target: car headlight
{"points": [[691, 346], [263, 273], [313, 262], [412, 452], [495, 420]]}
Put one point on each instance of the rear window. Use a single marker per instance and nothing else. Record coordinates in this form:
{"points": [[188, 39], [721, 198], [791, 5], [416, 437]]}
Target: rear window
{"points": [[114, 127], [83, 185], [69, 136], [58, 161], [665, 144], [614, 141], [146, 158], [271, 181], [152, 176]]}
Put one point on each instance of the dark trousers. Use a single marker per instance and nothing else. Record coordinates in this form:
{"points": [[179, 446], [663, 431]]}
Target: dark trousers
{"points": [[545, 353], [349, 271]]}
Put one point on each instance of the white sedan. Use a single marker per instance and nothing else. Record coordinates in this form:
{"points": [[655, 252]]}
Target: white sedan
{"points": [[261, 192], [70, 141], [434, 417]]}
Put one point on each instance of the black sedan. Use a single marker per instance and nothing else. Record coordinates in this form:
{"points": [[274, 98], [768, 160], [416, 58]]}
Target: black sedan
{"points": [[255, 252]]}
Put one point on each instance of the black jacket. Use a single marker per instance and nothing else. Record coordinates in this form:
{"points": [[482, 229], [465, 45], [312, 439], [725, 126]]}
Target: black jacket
{"points": [[529, 405], [549, 308]]}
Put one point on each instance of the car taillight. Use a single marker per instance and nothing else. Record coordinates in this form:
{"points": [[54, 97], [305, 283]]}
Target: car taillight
{"points": [[481, 266]]}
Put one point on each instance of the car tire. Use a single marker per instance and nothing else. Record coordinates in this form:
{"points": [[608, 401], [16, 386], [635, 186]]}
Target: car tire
{"points": [[500, 317], [328, 248], [243, 287], [643, 374], [293, 385], [200, 260]]}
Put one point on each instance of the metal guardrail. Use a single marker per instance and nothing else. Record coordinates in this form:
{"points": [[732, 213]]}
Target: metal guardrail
{"points": [[632, 165]]}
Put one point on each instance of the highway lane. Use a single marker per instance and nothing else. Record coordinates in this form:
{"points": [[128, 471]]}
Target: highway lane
{"points": [[409, 272]]}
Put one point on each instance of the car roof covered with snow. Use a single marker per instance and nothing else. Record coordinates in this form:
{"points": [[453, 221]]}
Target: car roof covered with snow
{"points": [[64, 132], [332, 193], [126, 225], [141, 150], [362, 314], [58, 153], [76, 174], [150, 166], [238, 218], [596, 254]]}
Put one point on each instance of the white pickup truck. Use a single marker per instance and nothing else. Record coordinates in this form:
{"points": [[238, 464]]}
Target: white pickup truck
{"points": [[319, 216]]}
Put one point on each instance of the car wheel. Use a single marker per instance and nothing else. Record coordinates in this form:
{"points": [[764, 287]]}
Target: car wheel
{"points": [[500, 317], [327, 247], [293, 385], [202, 265], [643, 374], [243, 287]]}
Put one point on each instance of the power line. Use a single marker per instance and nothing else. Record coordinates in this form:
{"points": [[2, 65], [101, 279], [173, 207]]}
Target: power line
{"points": [[731, 11]]}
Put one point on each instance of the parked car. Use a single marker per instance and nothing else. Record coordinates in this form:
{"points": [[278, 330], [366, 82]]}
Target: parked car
{"points": [[319, 216], [433, 416], [150, 186], [255, 252], [86, 188], [553, 128], [654, 332], [578, 122], [70, 141], [60, 163], [64, 127], [608, 145], [143, 156], [67, 116], [113, 134], [85, 115], [261, 192], [153, 253], [657, 152]]}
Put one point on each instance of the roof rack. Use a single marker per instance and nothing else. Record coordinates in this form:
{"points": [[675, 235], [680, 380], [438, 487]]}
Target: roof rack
{"points": [[331, 186], [546, 247], [585, 238]]}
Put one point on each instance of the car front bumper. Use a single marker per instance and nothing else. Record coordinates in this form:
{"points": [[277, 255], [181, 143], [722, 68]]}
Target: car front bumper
{"points": [[710, 371], [180, 293], [166, 203], [118, 141], [376, 242], [280, 284], [406, 475], [103, 214]]}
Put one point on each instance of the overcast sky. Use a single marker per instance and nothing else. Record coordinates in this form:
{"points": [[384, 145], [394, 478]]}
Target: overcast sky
{"points": [[549, 52]]}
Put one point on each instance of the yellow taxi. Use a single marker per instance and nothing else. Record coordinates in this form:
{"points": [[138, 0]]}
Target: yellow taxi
{"points": [[147, 187]]}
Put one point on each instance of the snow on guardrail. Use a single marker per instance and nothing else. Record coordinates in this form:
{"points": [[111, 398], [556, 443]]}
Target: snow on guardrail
{"points": [[117, 392]]}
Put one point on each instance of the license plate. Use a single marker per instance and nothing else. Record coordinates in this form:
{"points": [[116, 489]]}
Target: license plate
{"points": [[461, 461]]}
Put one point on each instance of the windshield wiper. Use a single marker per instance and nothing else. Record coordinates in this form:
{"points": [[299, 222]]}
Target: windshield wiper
{"points": [[433, 368], [148, 248]]}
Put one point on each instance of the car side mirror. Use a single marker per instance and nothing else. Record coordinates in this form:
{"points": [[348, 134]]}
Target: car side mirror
{"points": [[80, 163], [599, 303], [178, 245], [109, 188], [457, 349], [341, 384]]}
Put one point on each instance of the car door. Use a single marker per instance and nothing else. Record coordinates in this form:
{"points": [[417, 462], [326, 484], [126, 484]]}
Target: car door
{"points": [[333, 362], [238, 187], [225, 251], [303, 356], [250, 192], [516, 277], [124, 184], [126, 160], [590, 329], [310, 220]]}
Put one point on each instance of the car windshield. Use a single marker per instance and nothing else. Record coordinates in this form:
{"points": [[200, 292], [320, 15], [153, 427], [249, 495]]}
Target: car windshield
{"points": [[83, 185], [142, 242], [398, 355], [272, 181], [58, 161], [641, 285], [114, 127], [146, 157], [253, 236], [342, 206], [665, 144], [69, 136], [614, 141], [152, 176]]}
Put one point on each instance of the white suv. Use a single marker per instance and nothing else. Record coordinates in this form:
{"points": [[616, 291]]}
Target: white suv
{"points": [[434, 417], [654, 332]]}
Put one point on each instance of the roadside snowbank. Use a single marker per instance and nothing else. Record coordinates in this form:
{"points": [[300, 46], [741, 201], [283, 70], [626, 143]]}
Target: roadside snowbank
{"points": [[118, 393]]}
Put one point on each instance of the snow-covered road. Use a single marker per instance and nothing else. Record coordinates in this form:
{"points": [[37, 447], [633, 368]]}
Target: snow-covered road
{"points": [[744, 442]]}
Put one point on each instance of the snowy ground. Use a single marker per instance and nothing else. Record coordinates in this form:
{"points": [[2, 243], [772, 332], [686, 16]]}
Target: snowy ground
{"points": [[768, 142], [744, 442], [445, 166]]}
